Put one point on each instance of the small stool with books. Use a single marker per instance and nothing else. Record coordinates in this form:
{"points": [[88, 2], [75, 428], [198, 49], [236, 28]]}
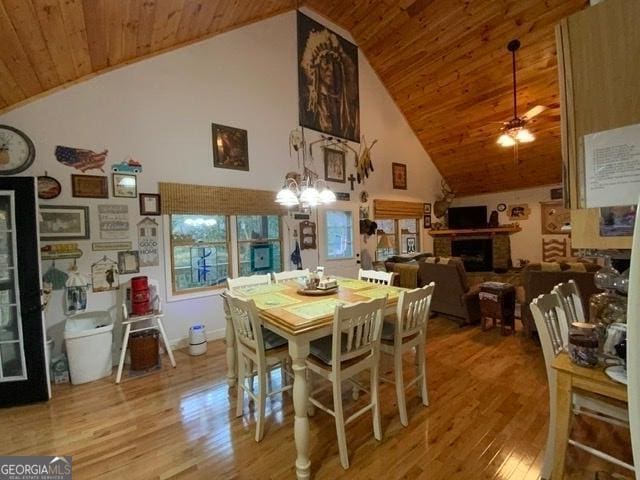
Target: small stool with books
{"points": [[498, 303]]}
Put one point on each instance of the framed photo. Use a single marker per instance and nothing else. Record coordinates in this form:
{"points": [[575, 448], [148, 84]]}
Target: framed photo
{"points": [[89, 186], [59, 222], [427, 209], [399, 175], [125, 185], [48, 187], [149, 204], [128, 262], [230, 147], [519, 211], [411, 244], [617, 221], [334, 165], [427, 221]]}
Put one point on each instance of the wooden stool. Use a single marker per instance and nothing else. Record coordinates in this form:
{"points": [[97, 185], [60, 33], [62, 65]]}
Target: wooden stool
{"points": [[498, 302]]}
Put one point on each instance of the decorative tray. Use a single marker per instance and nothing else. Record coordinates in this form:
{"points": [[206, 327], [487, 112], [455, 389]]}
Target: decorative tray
{"points": [[317, 292]]}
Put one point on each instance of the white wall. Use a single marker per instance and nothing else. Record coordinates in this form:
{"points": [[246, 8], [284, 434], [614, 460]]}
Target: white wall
{"points": [[526, 244], [160, 111]]}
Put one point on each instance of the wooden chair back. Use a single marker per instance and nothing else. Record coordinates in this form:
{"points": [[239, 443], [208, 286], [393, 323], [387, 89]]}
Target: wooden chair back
{"points": [[291, 275], [246, 324], [552, 327], [412, 312], [249, 281], [569, 297], [356, 330], [374, 276]]}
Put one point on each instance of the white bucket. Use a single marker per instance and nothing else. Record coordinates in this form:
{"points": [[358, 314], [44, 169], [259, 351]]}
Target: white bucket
{"points": [[88, 337], [197, 340]]}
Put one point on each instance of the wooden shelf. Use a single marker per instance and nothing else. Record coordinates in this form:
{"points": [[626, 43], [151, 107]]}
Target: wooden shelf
{"points": [[475, 231], [60, 255]]}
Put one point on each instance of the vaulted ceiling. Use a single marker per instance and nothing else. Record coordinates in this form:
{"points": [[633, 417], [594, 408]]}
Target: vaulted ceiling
{"points": [[444, 62]]}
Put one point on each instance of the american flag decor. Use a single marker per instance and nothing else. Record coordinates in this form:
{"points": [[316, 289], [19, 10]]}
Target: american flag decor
{"points": [[80, 158]]}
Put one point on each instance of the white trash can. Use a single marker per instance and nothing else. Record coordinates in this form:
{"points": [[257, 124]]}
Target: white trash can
{"points": [[89, 338], [197, 340]]}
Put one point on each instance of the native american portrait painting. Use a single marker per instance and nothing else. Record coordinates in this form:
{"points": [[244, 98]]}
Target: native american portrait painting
{"points": [[327, 81]]}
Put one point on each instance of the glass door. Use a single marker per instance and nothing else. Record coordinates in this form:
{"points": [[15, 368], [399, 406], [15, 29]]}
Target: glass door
{"points": [[24, 375], [338, 239]]}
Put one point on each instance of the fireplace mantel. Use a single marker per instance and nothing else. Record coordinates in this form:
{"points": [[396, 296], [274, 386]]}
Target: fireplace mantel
{"points": [[475, 231]]}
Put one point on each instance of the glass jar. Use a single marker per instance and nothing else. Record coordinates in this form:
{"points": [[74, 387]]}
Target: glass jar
{"points": [[583, 344], [607, 307]]}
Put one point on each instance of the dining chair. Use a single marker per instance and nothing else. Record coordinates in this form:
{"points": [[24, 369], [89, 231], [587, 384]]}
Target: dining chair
{"points": [[353, 347], [569, 297], [139, 323], [259, 347], [374, 276], [552, 327], [291, 275], [407, 332], [249, 281]]}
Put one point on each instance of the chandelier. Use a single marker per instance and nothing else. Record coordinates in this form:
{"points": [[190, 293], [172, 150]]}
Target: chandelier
{"points": [[307, 194]]}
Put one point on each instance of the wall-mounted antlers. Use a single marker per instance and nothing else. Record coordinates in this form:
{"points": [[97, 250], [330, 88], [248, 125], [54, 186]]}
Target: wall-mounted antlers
{"points": [[440, 206]]}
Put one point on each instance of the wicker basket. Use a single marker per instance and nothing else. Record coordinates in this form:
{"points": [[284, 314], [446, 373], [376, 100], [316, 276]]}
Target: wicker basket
{"points": [[144, 350]]}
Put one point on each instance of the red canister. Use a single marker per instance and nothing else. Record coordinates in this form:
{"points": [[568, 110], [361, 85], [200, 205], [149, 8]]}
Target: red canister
{"points": [[140, 296]]}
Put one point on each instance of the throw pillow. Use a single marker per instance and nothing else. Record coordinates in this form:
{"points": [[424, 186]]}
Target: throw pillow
{"points": [[550, 266]]}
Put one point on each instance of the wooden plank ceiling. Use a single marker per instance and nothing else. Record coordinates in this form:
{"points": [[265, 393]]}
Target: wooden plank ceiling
{"points": [[443, 61]]}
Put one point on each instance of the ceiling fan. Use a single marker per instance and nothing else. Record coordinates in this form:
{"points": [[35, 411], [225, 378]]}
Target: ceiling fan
{"points": [[514, 131]]}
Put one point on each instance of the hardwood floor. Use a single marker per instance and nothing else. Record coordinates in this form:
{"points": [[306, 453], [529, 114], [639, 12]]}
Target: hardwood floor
{"points": [[487, 419]]}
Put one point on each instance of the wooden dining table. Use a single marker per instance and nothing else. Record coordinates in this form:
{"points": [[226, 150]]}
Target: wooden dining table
{"points": [[570, 377], [300, 319]]}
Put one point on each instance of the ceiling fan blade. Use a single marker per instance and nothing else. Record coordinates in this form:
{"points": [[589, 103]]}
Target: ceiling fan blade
{"points": [[537, 110]]}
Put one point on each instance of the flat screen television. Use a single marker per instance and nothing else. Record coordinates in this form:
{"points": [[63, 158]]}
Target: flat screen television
{"points": [[467, 217]]}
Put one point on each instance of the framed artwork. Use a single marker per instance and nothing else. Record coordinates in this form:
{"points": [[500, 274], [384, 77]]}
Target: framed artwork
{"points": [[427, 209], [105, 275], [617, 221], [261, 257], [59, 222], [343, 196], [307, 235], [128, 262], [411, 244], [113, 221], [519, 211], [89, 186], [399, 176], [230, 147], [556, 193], [149, 204], [553, 217], [334, 165], [427, 221], [48, 187], [327, 63], [124, 185]]}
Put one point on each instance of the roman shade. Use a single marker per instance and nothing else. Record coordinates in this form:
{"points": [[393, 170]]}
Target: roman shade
{"points": [[209, 200], [393, 209]]}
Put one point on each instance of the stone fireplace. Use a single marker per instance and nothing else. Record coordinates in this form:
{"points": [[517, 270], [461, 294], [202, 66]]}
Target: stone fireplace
{"points": [[475, 253]]}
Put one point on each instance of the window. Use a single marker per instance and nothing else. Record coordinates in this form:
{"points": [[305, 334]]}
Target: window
{"points": [[203, 254], [397, 236], [339, 234], [259, 245]]}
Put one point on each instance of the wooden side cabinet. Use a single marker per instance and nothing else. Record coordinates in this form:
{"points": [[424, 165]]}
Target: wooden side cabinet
{"points": [[598, 51]]}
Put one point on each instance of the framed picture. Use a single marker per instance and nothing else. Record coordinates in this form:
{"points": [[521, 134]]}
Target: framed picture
{"points": [[556, 193], [230, 147], [128, 262], [105, 275], [334, 165], [553, 217], [125, 185], [149, 204], [48, 187], [427, 221], [261, 257], [399, 175], [328, 95], [59, 222], [519, 211], [411, 244], [427, 209], [89, 186], [617, 221]]}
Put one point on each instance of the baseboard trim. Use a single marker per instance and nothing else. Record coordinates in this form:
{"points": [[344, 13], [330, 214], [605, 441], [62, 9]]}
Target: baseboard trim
{"points": [[183, 342]]}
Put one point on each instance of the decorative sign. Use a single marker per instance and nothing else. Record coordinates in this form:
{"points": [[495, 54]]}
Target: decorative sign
{"points": [[80, 158], [105, 275], [128, 262], [261, 257], [554, 216], [307, 235], [114, 221], [148, 242], [520, 211], [345, 197], [102, 246]]}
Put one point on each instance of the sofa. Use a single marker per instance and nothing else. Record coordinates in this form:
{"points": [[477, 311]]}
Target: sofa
{"points": [[539, 278]]}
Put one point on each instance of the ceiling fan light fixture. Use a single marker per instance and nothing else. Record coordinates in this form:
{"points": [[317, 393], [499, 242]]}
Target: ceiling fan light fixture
{"points": [[506, 140], [524, 136]]}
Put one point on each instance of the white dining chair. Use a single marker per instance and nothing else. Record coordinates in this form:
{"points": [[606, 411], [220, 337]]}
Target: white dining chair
{"points": [[139, 323], [353, 347], [407, 332], [569, 297], [291, 275], [249, 281], [552, 327], [374, 276], [259, 350]]}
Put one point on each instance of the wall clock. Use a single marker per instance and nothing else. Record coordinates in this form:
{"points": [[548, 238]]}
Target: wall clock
{"points": [[501, 207], [16, 150]]}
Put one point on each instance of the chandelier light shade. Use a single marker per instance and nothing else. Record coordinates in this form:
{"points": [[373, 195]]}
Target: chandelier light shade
{"points": [[308, 194]]}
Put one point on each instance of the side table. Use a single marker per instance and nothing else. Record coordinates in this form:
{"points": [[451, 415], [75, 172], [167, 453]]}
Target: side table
{"points": [[498, 303]]}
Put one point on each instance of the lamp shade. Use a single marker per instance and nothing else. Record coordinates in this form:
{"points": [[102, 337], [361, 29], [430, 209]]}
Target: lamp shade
{"points": [[384, 242]]}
